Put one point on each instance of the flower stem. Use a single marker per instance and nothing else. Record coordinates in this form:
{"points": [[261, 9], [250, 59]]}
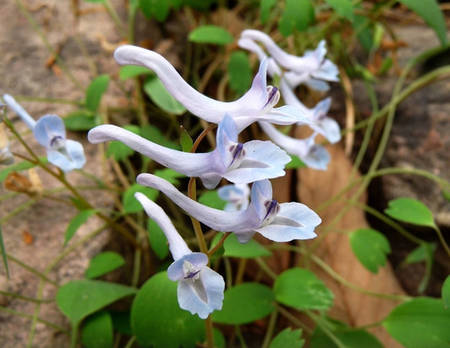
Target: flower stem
{"points": [[442, 239], [209, 332]]}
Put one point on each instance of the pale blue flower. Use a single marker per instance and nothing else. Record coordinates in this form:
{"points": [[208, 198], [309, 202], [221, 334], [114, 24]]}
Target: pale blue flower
{"points": [[236, 196], [234, 161], [200, 289], [313, 155], [258, 104], [50, 132], [279, 222]]}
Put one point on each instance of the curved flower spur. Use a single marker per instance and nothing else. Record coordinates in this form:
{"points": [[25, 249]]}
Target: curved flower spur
{"points": [[278, 222], [50, 132], [200, 289], [236, 162], [257, 104]]}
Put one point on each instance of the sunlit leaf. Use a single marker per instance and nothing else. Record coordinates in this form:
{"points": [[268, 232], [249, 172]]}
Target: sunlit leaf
{"points": [[421, 322], [295, 163], [265, 9], [80, 120], [301, 289], [95, 91], [118, 150], [158, 321], [370, 247], [129, 71], [170, 175], [103, 263], [131, 204], [297, 14], [239, 72], [76, 223], [210, 34], [157, 239], [212, 199], [343, 7], [158, 9], [411, 211], [97, 331], [154, 134], [186, 141], [248, 250], [79, 298], [288, 338], [245, 303], [155, 89]]}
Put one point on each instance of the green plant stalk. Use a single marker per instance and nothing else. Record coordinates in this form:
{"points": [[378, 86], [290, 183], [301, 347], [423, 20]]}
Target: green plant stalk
{"points": [[324, 328], [74, 336], [237, 330], [270, 328], [25, 298], [17, 210], [442, 239], [130, 342], [115, 17], [48, 100], [40, 275], [293, 319], [44, 39], [212, 251], [265, 268]]}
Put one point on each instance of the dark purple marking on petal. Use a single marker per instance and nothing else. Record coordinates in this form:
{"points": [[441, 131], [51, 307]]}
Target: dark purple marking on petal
{"points": [[191, 275], [272, 208], [272, 95]]}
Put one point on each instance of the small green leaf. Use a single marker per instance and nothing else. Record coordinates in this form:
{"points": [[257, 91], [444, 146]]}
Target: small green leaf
{"points": [[245, 303], [76, 223], [95, 91], [79, 298], [349, 338], [421, 322], [432, 15], [170, 175], [4, 256], [297, 14], [159, 9], [344, 8], [129, 71], [210, 34], [265, 9], [152, 133], [446, 293], [158, 321], [155, 89], [157, 239], [81, 120], [370, 247], [212, 199], [239, 72], [364, 29], [131, 204], [219, 340], [118, 150], [248, 250], [411, 211], [288, 338], [295, 163], [18, 167], [423, 252], [103, 263], [186, 141], [98, 331], [301, 289]]}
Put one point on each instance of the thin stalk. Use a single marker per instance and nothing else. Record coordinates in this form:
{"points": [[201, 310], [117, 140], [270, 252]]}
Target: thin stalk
{"points": [[48, 100], [219, 244], [209, 332], [18, 210], [270, 328], [195, 224], [130, 342], [32, 270], [74, 336], [25, 298], [265, 268], [442, 239], [325, 329], [240, 271], [293, 319], [115, 17]]}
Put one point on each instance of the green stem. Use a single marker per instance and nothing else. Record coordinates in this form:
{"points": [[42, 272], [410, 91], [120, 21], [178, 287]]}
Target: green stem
{"points": [[209, 332], [130, 342], [219, 244], [32, 270], [115, 17], [17, 210], [270, 328], [442, 239], [25, 298], [293, 319], [74, 336], [324, 328], [48, 100], [266, 268]]}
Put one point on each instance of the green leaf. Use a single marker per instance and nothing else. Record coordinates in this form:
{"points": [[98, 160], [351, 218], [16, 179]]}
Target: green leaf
{"points": [[159, 9], [423, 252], [432, 15], [301, 289], [219, 340], [155, 89], [248, 250], [129, 71], [364, 29], [154, 134], [170, 175], [81, 120], [98, 331], [421, 322], [288, 338], [4, 256], [295, 163], [349, 338], [95, 91], [265, 9], [158, 321], [210, 34], [411, 211], [344, 8], [118, 150], [370, 247], [103, 263], [245, 303], [212, 199], [79, 298], [18, 167], [186, 141], [131, 204], [239, 72], [297, 14], [157, 239], [76, 223], [446, 293]]}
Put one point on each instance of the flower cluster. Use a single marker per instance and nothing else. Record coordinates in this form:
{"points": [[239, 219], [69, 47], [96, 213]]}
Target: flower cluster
{"points": [[248, 210]]}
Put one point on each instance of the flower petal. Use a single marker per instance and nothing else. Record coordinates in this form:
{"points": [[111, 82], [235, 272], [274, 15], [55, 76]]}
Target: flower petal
{"points": [[262, 160], [19, 110], [294, 221], [261, 193], [178, 247], [176, 271], [286, 115], [317, 85], [47, 128], [226, 136], [76, 153], [190, 293], [60, 160], [317, 157], [236, 195], [328, 71]]}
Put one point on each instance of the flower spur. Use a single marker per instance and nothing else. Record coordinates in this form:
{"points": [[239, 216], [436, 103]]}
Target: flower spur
{"points": [[200, 289], [278, 222], [50, 132], [236, 162]]}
